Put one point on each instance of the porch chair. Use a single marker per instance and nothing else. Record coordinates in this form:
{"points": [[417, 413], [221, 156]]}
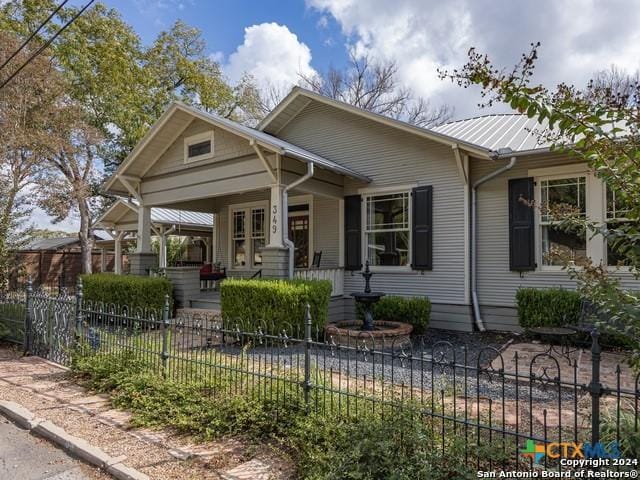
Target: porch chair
{"points": [[212, 273], [317, 256]]}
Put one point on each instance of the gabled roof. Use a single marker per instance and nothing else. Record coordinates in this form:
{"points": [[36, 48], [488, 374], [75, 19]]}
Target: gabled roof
{"points": [[159, 216], [300, 97], [499, 131], [185, 114]]}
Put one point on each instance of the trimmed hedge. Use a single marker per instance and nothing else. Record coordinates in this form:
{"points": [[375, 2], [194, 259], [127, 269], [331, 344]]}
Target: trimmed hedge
{"points": [[549, 307], [413, 310], [146, 293], [275, 303]]}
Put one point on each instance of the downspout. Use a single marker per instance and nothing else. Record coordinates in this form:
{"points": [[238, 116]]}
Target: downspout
{"points": [[474, 236], [285, 214]]}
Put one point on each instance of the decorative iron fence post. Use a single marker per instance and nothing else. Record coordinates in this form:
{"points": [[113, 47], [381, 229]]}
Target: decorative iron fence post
{"points": [[28, 320], [79, 302], [165, 335], [307, 357], [595, 387]]}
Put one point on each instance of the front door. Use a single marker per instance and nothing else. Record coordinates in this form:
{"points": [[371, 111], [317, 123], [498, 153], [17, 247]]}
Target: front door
{"points": [[299, 235]]}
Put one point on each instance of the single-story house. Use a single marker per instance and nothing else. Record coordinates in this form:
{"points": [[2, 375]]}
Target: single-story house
{"points": [[436, 212]]}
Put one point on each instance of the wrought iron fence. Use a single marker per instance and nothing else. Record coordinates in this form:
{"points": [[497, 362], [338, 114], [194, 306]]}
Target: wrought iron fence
{"points": [[495, 410]]}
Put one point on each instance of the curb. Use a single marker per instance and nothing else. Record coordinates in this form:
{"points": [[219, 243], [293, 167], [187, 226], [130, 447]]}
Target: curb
{"points": [[74, 445]]}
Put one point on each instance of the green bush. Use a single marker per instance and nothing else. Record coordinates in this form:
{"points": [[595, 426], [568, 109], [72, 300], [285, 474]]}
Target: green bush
{"points": [[146, 293], [549, 307], [413, 310], [275, 304]]}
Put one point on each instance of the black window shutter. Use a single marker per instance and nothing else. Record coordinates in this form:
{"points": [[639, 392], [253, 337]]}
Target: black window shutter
{"points": [[352, 232], [521, 225], [422, 243]]}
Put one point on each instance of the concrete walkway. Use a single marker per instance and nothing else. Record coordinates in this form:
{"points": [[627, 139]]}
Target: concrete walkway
{"points": [[25, 457], [50, 393]]}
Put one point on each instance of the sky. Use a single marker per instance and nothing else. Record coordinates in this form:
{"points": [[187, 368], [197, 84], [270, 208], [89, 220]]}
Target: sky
{"points": [[277, 40]]}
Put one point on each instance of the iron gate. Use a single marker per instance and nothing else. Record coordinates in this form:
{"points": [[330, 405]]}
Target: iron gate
{"points": [[52, 326]]}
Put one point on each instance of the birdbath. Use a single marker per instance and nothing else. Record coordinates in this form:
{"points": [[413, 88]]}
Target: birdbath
{"points": [[367, 299]]}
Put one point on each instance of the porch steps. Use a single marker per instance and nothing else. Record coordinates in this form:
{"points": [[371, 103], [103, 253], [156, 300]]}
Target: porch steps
{"points": [[203, 313], [205, 303]]}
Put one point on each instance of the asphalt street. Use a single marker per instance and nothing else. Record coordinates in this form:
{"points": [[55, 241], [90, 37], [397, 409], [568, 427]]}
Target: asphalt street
{"points": [[26, 457]]}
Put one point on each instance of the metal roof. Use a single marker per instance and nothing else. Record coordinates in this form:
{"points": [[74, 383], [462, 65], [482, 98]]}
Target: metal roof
{"points": [[181, 217], [496, 131]]}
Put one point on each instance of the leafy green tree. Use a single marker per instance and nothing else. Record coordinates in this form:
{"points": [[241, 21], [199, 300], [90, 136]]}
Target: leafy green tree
{"points": [[600, 125]]}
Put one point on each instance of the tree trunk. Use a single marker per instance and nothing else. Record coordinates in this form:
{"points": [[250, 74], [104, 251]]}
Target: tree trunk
{"points": [[86, 242], [5, 224]]}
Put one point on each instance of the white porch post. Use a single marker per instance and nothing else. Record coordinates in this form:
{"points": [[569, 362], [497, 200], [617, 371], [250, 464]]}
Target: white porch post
{"points": [[162, 260], [117, 261], [103, 260], [276, 216], [144, 230], [207, 249]]}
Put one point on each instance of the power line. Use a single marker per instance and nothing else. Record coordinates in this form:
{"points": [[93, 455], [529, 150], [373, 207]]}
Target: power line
{"points": [[37, 52], [24, 44]]}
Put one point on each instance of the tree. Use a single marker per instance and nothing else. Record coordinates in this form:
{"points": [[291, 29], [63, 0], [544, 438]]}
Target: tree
{"points": [[599, 124], [28, 108], [374, 86], [117, 88]]}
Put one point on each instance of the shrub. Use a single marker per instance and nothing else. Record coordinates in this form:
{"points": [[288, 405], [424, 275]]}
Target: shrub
{"points": [[550, 307], [146, 293], [275, 304], [413, 310]]}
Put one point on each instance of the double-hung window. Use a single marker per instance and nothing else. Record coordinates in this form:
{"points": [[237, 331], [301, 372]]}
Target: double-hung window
{"points": [[248, 235], [617, 209], [560, 197], [387, 229]]}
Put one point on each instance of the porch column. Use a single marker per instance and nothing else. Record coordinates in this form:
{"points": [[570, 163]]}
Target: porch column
{"points": [[144, 259], [276, 216], [144, 230], [117, 261], [103, 260], [162, 253], [207, 249]]}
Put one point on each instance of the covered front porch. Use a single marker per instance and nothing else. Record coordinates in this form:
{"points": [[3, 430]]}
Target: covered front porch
{"points": [[278, 208]]}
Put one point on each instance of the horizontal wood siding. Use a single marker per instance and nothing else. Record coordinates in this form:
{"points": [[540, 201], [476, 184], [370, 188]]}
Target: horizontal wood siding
{"points": [[391, 157], [226, 146], [497, 285], [326, 230]]}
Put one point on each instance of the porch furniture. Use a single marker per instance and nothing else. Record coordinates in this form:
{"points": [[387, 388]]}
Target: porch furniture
{"points": [[211, 273], [554, 336], [317, 256]]}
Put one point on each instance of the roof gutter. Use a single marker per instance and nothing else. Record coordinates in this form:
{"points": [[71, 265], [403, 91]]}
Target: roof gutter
{"points": [[474, 234], [285, 213]]}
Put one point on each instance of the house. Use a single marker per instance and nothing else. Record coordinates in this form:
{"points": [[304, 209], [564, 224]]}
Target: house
{"points": [[54, 262], [437, 213]]}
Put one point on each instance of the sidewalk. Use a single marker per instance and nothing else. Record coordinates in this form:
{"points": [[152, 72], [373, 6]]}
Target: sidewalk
{"points": [[47, 390]]}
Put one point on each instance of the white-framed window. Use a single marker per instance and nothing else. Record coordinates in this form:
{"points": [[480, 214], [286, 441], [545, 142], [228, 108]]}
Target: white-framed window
{"points": [[559, 195], [387, 228], [248, 234], [198, 147], [616, 217]]}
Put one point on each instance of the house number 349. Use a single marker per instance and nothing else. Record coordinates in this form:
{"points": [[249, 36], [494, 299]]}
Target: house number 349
{"points": [[274, 219]]}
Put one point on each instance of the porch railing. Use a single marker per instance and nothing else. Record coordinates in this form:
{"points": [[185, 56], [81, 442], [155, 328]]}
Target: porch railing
{"points": [[334, 275]]}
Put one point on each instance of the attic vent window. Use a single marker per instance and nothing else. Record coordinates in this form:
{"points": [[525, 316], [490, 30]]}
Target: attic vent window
{"points": [[198, 147]]}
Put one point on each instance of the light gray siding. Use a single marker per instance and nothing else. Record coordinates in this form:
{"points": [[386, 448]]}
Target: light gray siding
{"points": [[326, 230], [392, 157], [497, 285]]}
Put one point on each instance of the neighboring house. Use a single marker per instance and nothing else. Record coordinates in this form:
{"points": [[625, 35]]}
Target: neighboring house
{"points": [[358, 186], [54, 261]]}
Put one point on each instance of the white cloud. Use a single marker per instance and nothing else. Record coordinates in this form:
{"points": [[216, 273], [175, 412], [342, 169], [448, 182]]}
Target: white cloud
{"points": [[272, 54], [578, 37]]}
